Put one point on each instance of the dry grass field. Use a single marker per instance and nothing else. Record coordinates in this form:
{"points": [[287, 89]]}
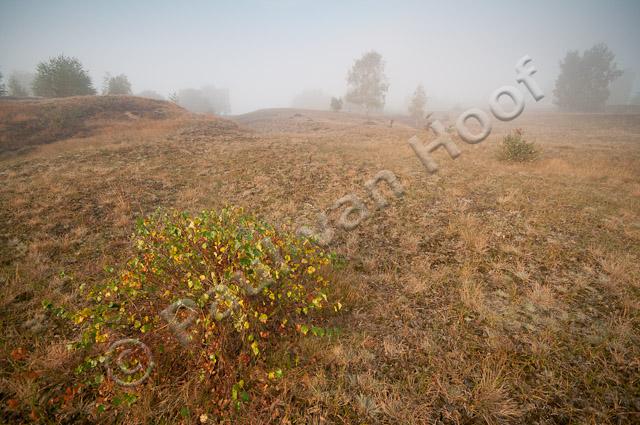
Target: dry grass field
{"points": [[491, 292]]}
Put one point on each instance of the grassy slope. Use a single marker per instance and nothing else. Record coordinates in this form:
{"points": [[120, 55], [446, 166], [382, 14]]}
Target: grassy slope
{"points": [[28, 122], [488, 293]]}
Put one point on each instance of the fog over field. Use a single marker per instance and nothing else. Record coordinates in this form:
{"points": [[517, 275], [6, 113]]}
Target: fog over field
{"points": [[266, 51]]}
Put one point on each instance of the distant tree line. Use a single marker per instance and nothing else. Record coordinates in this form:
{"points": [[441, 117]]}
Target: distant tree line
{"points": [[64, 76], [582, 85]]}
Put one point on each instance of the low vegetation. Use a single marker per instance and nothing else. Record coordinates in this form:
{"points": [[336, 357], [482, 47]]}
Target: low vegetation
{"points": [[236, 286], [486, 294], [515, 147]]}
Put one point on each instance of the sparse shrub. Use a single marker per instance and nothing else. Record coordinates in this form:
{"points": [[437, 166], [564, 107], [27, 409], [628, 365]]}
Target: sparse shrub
{"points": [[515, 148], [236, 322]]}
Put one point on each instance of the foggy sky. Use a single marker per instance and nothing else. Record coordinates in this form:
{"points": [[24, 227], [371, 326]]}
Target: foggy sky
{"points": [[267, 51]]}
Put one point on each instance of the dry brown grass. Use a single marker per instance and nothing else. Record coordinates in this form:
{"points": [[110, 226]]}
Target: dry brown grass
{"points": [[489, 293], [26, 123]]}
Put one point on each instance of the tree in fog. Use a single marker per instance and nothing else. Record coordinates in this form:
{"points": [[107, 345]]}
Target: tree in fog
{"points": [[583, 83], [60, 77], [195, 101], [635, 99], [336, 104], [311, 99], [150, 94], [620, 90], [367, 82], [118, 85], [418, 104], [19, 84], [218, 98], [15, 88], [3, 91], [207, 100]]}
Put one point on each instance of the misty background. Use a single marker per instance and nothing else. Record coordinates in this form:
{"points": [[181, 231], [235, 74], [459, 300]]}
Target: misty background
{"points": [[270, 53]]}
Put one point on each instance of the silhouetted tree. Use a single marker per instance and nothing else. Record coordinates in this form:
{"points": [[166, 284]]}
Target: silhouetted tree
{"points": [[583, 83], [336, 104], [116, 85], [60, 77], [418, 104], [367, 82]]}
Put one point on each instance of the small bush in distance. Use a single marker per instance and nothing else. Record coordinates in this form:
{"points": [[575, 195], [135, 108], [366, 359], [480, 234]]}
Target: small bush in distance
{"points": [[250, 286], [515, 148]]}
